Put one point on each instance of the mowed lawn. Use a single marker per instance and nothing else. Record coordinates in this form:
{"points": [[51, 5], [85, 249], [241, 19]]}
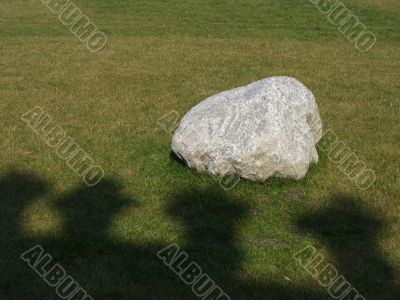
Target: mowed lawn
{"points": [[165, 56]]}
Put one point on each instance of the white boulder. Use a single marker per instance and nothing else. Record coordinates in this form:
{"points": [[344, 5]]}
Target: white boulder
{"points": [[267, 128]]}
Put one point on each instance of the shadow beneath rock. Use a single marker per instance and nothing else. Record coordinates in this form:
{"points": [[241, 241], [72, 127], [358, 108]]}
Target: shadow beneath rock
{"points": [[176, 158]]}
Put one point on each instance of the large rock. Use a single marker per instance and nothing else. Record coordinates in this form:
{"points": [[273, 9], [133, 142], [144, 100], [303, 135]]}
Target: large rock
{"points": [[267, 128]]}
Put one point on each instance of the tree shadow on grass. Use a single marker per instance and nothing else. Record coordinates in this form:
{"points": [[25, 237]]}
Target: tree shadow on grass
{"points": [[350, 232], [127, 269]]}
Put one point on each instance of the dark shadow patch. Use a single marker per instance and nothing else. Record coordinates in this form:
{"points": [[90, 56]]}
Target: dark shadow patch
{"points": [[210, 219], [176, 158], [350, 232]]}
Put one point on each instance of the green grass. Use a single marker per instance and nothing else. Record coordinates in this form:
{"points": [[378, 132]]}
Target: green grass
{"points": [[169, 55]]}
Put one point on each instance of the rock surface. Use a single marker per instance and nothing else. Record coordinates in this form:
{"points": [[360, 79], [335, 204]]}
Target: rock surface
{"points": [[267, 128]]}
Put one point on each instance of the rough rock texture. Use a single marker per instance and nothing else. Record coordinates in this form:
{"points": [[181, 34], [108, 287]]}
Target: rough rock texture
{"points": [[268, 128]]}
